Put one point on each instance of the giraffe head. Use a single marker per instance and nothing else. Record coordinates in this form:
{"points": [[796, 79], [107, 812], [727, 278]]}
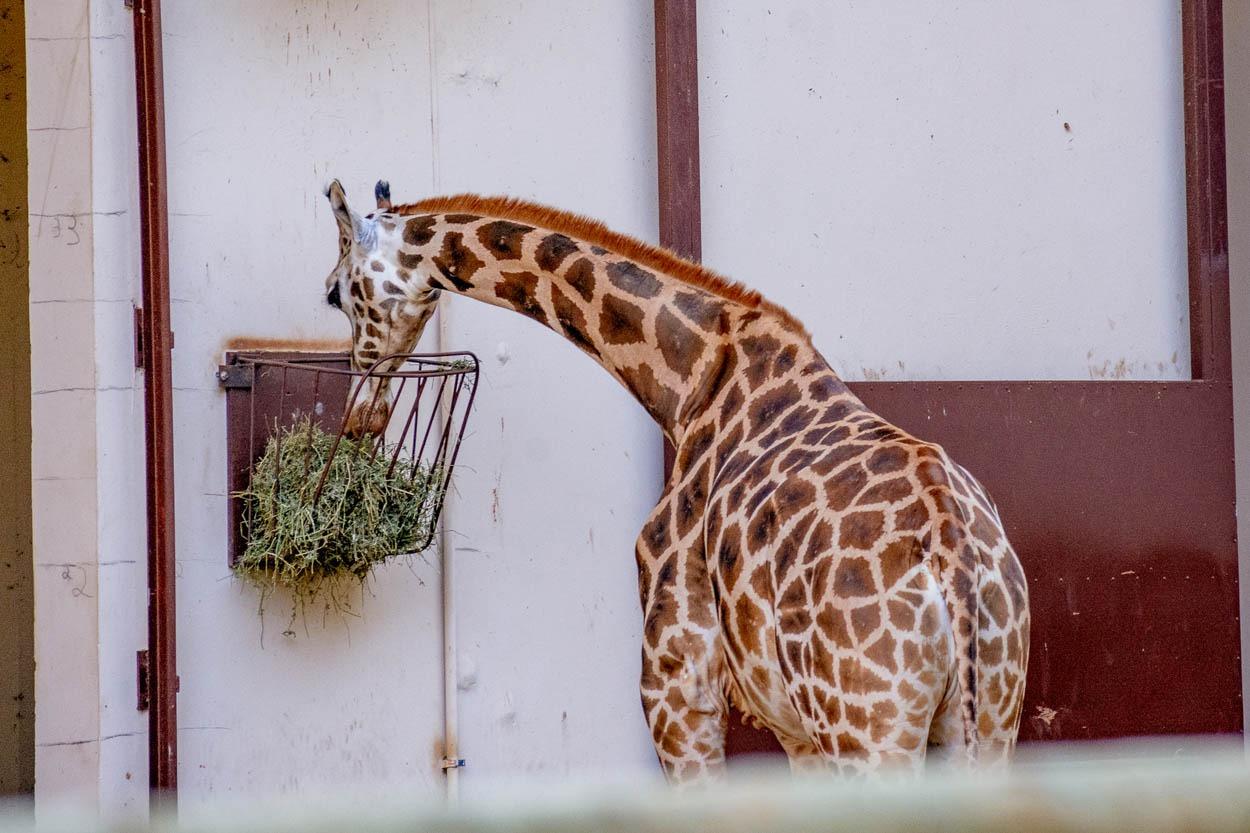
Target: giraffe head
{"points": [[387, 304]]}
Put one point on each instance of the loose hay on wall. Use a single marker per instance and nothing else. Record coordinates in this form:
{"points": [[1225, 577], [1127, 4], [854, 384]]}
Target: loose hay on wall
{"points": [[369, 511]]}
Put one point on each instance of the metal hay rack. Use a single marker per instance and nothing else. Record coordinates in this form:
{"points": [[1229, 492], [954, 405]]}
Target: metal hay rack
{"points": [[430, 394]]}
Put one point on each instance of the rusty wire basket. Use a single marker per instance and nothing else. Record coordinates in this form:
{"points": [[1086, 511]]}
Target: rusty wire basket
{"points": [[269, 393]]}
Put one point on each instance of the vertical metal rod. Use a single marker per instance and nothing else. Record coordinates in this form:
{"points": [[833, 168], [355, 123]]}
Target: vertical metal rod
{"points": [[1202, 33], [677, 135], [157, 403]]}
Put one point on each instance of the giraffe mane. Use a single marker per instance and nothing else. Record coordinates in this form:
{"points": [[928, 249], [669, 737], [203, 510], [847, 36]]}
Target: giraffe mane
{"points": [[595, 233]]}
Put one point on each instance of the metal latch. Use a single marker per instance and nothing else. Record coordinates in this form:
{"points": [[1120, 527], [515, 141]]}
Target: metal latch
{"points": [[453, 763], [144, 670], [236, 375]]}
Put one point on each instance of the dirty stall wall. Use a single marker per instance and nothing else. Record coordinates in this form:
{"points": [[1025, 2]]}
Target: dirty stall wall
{"points": [[954, 191], [981, 216], [17, 649], [438, 97]]}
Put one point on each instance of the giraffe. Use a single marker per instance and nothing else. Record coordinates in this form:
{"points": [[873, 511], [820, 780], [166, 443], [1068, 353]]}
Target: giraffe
{"points": [[842, 583]]}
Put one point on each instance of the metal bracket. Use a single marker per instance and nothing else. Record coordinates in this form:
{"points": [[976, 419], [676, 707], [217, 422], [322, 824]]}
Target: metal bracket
{"points": [[139, 337], [453, 763], [236, 375], [144, 674]]}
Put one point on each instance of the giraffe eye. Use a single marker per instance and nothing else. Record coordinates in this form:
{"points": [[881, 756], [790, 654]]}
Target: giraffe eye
{"points": [[333, 299]]}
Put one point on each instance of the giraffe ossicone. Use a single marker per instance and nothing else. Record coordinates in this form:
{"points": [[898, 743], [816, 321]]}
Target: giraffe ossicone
{"points": [[844, 584]]}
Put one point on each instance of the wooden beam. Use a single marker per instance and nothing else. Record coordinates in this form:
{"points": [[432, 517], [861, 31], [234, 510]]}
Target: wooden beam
{"points": [[677, 134]]}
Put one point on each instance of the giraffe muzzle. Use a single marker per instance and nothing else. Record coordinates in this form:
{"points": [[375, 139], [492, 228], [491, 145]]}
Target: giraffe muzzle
{"points": [[368, 419]]}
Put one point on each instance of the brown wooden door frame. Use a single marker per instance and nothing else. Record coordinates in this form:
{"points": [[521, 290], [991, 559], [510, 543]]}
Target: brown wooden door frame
{"points": [[1120, 496]]}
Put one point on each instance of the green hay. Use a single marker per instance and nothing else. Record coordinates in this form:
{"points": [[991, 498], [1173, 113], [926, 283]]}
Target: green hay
{"points": [[366, 514]]}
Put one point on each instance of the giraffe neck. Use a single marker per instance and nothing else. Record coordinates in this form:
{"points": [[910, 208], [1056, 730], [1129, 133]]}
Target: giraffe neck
{"points": [[671, 343]]}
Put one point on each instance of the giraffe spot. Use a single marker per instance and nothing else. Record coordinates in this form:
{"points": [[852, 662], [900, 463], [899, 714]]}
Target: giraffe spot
{"points": [[995, 603], [727, 446], [912, 516], [931, 473], [691, 501], [408, 261], [599, 250], [620, 322], [848, 744], [730, 555], [985, 724], [764, 409], [678, 344], [902, 616], [1013, 648], [552, 251], [660, 400], [825, 388], [581, 276], [819, 545], [860, 530], [715, 375], [898, 559], [502, 238], [374, 315], [785, 360], [461, 219], [794, 659], [572, 321], [887, 459], [929, 621], [695, 445], [520, 289], [1014, 581], [759, 352], [731, 404], [456, 261], [797, 459], [864, 621], [792, 495], [985, 529], [831, 622], [748, 318], [355, 291], [794, 620], [377, 266], [991, 650], [950, 535], [796, 421], [856, 715], [656, 533], [391, 288], [788, 550], [853, 578], [855, 678], [762, 583], [838, 456], [704, 312], [882, 652], [419, 230], [748, 621], [367, 285], [761, 529], [629, 277], [372, 330]]}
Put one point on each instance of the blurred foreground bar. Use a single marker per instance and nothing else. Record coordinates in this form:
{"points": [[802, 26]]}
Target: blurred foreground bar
{"points": [[1102, 788]]}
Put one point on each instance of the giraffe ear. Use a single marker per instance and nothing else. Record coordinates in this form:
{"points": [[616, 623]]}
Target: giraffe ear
{"points": [[382, 193], [351, 223]]}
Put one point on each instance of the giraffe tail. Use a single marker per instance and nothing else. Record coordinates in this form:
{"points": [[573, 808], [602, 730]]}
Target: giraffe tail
{"points": [[956, 565]]}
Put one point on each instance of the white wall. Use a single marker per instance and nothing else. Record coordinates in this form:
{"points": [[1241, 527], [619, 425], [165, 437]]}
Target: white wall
{"points": [[298, 92], [899, 173]]}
